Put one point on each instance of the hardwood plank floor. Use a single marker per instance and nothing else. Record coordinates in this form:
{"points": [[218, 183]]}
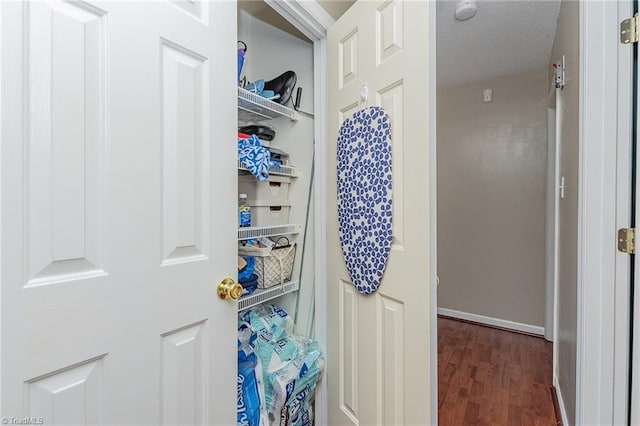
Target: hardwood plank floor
{"points": [[488, 376]]}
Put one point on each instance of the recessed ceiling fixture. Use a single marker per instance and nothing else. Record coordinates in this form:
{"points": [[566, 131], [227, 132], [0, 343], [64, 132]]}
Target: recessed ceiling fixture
{"points": [[466, 9]]}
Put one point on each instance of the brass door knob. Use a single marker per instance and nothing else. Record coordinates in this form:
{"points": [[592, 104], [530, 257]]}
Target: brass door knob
{"points": [[229, 289]]}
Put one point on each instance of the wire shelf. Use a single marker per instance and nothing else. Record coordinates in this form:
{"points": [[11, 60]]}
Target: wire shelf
{"points": [[290, 171], [263, 295], [252, 107], [267, 231]]}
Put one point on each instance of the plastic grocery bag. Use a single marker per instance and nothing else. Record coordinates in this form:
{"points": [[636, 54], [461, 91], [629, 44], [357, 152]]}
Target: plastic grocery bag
{"points": [[291, 366], [273, 347], [294, 385]]}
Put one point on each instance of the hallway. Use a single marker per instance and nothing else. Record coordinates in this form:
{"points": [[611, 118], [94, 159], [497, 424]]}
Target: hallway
{"points": [[488, 376]]}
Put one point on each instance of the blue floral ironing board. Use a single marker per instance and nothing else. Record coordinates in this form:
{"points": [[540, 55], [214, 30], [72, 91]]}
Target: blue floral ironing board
{"points": [[364, 196]]}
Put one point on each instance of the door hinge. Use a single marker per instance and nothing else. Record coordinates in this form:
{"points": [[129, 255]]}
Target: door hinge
{"points": [[627, 240], [629, 30]]}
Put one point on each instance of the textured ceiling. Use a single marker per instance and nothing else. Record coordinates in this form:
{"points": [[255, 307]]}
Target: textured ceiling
{"points": [[505, 37]]}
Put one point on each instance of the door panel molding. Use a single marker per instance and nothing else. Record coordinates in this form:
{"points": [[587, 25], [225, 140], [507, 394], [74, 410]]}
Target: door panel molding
{"points": [[65, 142], [72, 395]]}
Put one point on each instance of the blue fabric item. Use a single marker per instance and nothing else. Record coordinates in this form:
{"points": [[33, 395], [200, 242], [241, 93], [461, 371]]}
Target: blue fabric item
{"points": [[364, 196], [245, 273], [241, 53], [250, 285], [257, 87], [255, 157]]}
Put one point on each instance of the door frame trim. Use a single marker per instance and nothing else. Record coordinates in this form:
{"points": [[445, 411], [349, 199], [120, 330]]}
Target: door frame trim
{"points": [[433, 213], [604, 140], [321, 315], [552, 228], [313, 21], [306, 15]]}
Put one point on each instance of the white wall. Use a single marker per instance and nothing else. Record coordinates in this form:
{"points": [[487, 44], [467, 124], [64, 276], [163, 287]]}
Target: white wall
{"points": [[492, 160], [271, 52]]}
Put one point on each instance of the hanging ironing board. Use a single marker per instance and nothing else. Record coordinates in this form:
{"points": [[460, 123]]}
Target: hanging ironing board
{"points": [[364, 196]]}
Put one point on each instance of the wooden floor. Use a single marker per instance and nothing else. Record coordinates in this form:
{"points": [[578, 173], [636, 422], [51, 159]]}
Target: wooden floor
{"points": [[492, 377]]}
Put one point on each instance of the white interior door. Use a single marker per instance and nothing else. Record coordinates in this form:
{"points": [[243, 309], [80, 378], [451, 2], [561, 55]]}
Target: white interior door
{"points": [[380, 346], [118, 126]]}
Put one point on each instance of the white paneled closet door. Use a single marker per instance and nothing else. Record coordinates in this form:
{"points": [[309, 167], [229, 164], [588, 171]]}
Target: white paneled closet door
{"points": [[117, 222], [380, 364]]}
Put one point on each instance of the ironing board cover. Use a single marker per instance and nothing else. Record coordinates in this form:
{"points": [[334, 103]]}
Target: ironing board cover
{"points": [[364, 196]]}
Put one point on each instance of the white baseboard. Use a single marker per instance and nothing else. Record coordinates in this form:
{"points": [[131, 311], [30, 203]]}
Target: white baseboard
{"points": [[563, 412], [497, 322]]}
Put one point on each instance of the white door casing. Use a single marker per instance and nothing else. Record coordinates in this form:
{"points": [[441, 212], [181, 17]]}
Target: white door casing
{"points": [[631, 366], [118, 128], [380, 346], [551, 242], [604, 186]]}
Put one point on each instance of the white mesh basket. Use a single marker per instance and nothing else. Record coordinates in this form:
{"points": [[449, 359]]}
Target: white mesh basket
{"points": [[273, 266]]}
